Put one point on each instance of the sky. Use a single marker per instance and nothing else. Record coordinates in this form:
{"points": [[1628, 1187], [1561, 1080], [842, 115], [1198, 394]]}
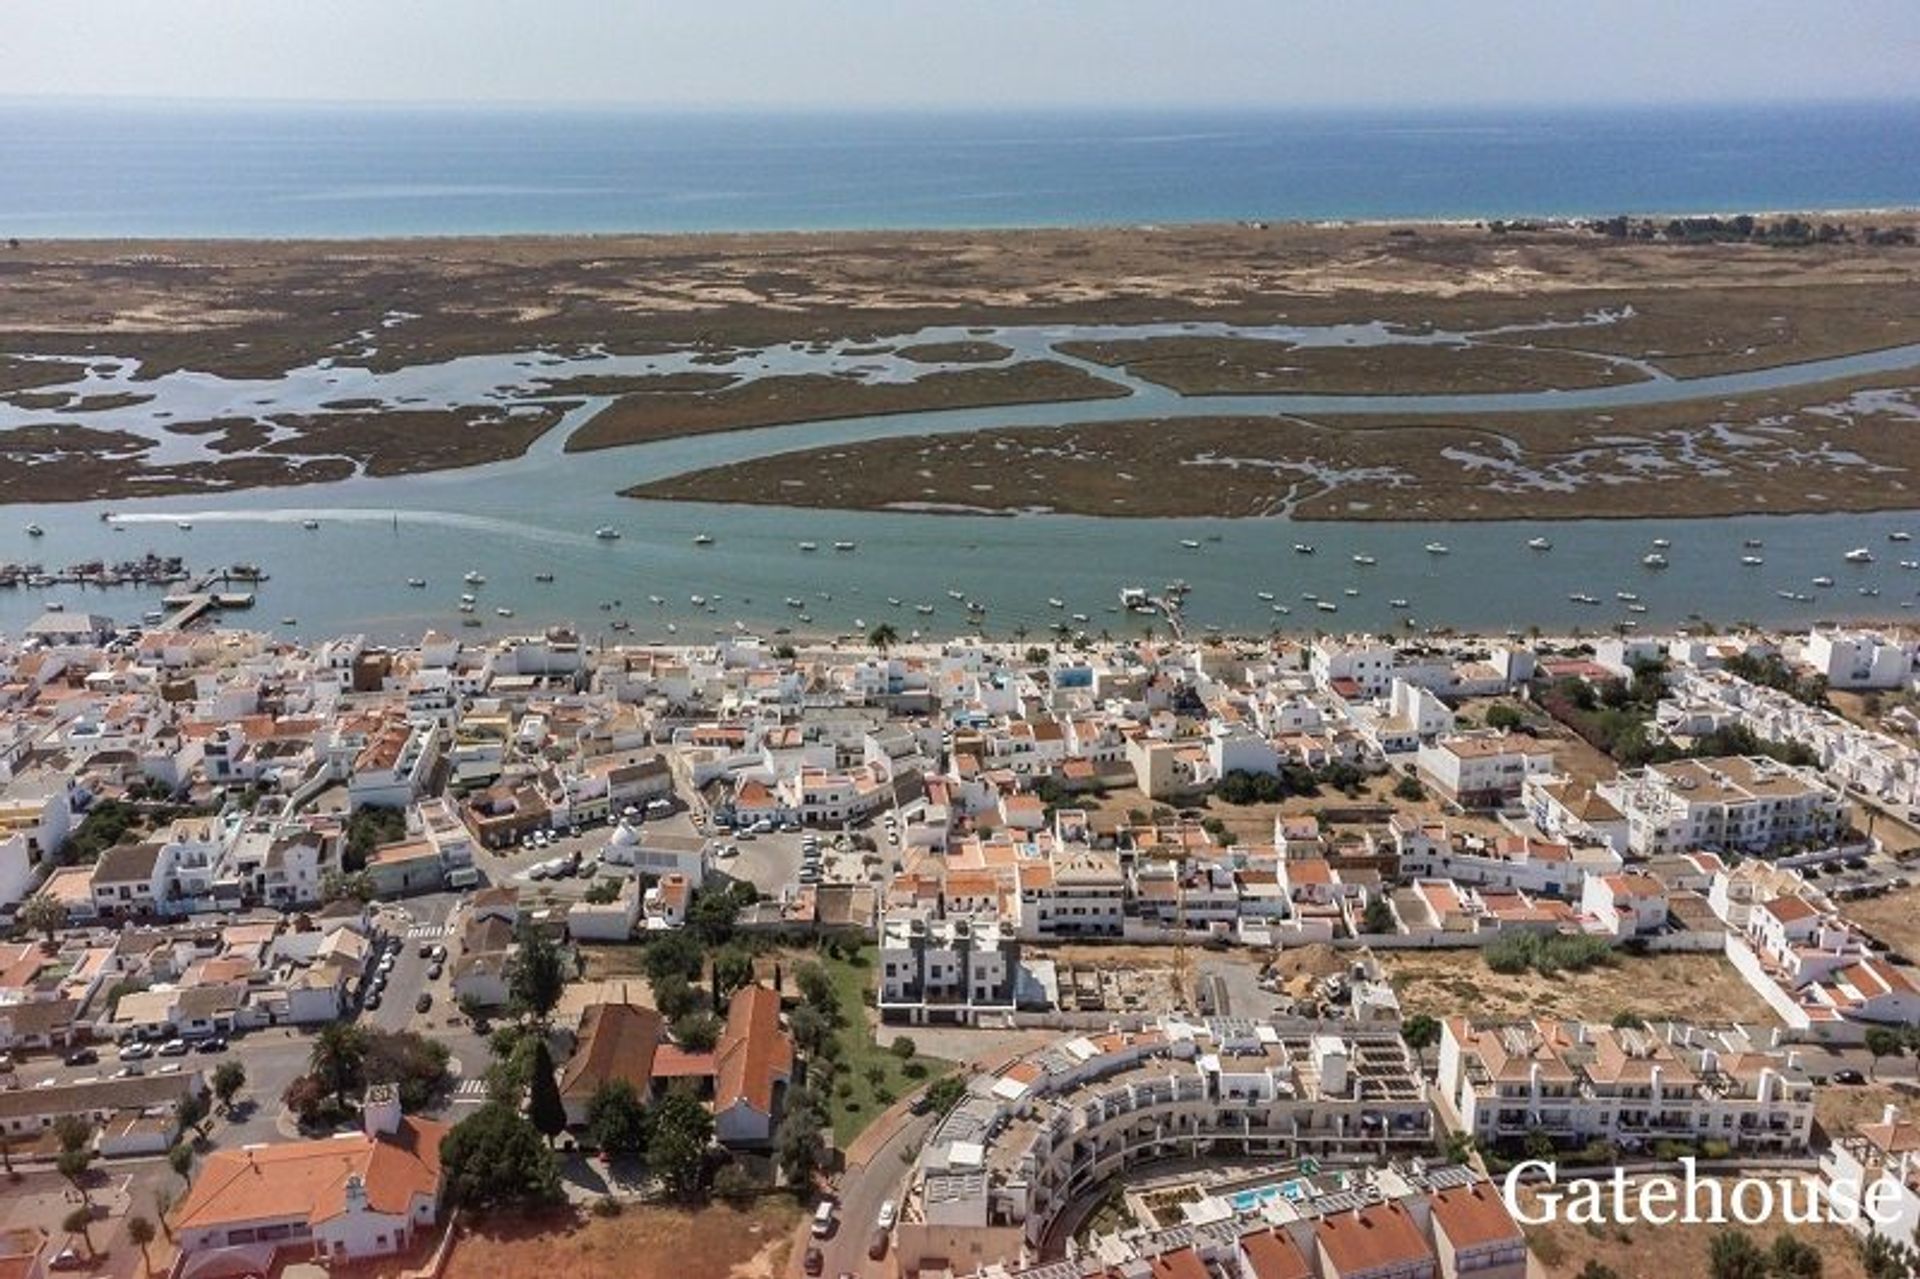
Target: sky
{"points": [[967, 53]]}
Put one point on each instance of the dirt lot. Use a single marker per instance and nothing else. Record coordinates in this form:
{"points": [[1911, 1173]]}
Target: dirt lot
{"points": [[641, 1243], [1841, 1109], [1893, 917], [1700, 988], [1838, 446], [1666, 1252]]}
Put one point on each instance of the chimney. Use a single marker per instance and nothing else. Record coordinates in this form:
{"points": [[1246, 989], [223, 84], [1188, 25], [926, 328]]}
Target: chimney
{"points": [[380, 1112], [356, 1193], [1890, 1114]]}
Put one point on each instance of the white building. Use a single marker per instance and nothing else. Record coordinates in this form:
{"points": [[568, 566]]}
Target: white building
{"points": [[1744, 804]]}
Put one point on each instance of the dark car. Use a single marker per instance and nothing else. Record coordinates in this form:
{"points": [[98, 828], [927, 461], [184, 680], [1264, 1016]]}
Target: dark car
{"points": [[922, 1104], [814, 1262], [423, 1003], [877, 1246], [82, 1057], [426, 950], [372, 1001], [434, 970], [213, 1044], [1848, 1077]]}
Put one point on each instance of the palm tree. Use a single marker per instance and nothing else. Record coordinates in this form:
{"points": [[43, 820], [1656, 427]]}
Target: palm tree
{"points": [[339, 1053], [140, 1230], [883, 637]]}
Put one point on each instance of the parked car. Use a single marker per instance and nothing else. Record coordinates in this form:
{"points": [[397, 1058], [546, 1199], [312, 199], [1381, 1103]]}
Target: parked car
{"points": [[877, 1246], [889, 1213], [214, 1044], [438, 954], [426, 950], [1848, 1077], [174, 1048], [823, 1219], [423, 1003], [814, 1262], [82, 1057], [435, 969], [136, 1052]]}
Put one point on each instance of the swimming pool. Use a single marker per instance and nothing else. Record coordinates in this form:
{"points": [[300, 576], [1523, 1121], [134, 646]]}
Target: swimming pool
{"points": [[1250, 1201]]}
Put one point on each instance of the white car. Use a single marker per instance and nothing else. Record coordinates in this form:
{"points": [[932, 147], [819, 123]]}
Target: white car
{"points": [[889, 1213]]}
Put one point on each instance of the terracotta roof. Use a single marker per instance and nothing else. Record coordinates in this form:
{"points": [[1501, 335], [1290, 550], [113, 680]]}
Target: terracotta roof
{"points": [[1473, 1215], [753, 1051], [617, 1041], [1272, 1255], [276, 1181], [1369, 1239]]}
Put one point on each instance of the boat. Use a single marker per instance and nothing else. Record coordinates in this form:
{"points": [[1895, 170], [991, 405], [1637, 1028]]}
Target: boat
{"points": [[56, 606], [469, 621], [1581, 597], [1308, 595], [1869, 590], [1636, 608], [1661, 543], [620, 624], [466, 606], [1055, 602], [1539, 544], [955, 595], [795, 602], [1351, 590], [185, 526], [504, 611], [1627, 596], [607, 533], [1135, 598], [1281, 608], [1302, 548], [1753, 543], [1654, 559], [698, 601], [804, 617], [1263, 595], [843, 546], [1858, 555], [1190, 544], [975, 607], [1439, 548], [474, 577], [1365, 560], [309, 525], [1899, 536], [923, 609], [1752, 561], [289, 621], [1326, 606], [1396, 603], [1823, 580], [417, 583], [34, 530], [703, 539], [1080, 617], [672, 629], [809, 546]]}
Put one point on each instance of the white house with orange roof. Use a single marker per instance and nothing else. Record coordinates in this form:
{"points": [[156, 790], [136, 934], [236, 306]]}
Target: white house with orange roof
{"points": [[1883, 1160], [1624, 905]]}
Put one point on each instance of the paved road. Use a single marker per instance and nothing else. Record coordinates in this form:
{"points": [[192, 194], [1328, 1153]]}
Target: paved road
{"points": [[862, 1191]]}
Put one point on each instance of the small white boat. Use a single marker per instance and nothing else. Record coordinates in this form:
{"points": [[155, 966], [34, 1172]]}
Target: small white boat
{"points": [[804, 617], [1327, 606], [1303, 548], [474, 577], [1910, 564], [1823, 580], [1654, 559], [1281, 608], [1396, 603], [289, 621], [1365, 560], [1869, 590], [893, 600], [1190, 544], [185, 526], [417, 583], [1899, 536], [309, 525], [1753, 543], [1055, 602], [34, 530], [1581, 597], [1439, 548], [1351, 591], [703, 539], [1309, 596], [655, 599], [607, 533], [809, 546], [466, 598], [1859, 555], [1636, 608], [956, 595], [923, 609], [672, 629], [1661, 543], [504, 611], [466, 606], [1263, 595], [1539, 544], [843, 546], [1628, 596], [1752, 561], [698, 601], [1080, 617], [543, 577], [795, 602]]}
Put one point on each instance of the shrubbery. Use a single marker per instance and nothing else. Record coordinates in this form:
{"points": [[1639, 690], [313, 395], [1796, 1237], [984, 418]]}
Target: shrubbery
{"points": [[1546, 955]]}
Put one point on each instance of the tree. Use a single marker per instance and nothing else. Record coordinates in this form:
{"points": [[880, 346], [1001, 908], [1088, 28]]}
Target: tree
{"points": [[544, 1107], [416, 1065], [338, 1058], [1881, 1258], [180, 1159], [496, 1157], [1408, 788], [677, 1147], [1792, 1258], [1883, 1041], [732, 970], [697, 1031], [616, 1121], [1421, 1033], [1378, 917], [1504, 717], [903, 1047], [42, 914], [73, 1133], [883, 637], [229, 1077], [190, 1112], [73, 1165], [945, 1093], [79, 1222], [816, 987], [674, 955], [710, 919], [1734, 1256], [797, 1147], [537, 975], [140, 1230], [810, 1029], [674, 997]]}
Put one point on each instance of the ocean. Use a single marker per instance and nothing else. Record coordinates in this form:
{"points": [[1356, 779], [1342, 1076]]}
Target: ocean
{"points": [[111, 169]]}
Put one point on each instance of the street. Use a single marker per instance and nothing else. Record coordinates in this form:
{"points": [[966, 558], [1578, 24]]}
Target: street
{"points": [[862, 1190]]}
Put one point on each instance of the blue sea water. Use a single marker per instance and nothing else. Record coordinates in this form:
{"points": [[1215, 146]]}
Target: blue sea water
{"points": [[96, 168]]}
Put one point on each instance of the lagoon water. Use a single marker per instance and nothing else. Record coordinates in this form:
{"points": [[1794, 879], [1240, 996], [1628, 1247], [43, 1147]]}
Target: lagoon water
{"points": [[129, 170], [94, 168]]}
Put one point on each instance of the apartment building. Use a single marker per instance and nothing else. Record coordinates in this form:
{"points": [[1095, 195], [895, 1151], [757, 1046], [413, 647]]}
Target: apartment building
{"points": [[1748, 804], [946, 968], [1482, 770], [1579, 1083]]}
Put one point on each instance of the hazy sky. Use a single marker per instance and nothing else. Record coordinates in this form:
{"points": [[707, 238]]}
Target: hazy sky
{"points": [[966, 52]]}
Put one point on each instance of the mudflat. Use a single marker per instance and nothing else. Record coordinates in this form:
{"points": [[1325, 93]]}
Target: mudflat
{"points": [[1851, 445], [1506, 309]]}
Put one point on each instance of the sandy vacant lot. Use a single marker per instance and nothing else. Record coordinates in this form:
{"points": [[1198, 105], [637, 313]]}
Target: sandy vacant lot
{"points": [[641, 1243], [1701, 988]]}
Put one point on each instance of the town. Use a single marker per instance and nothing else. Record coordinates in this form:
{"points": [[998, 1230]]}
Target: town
{"points": [[1241, 959]]}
